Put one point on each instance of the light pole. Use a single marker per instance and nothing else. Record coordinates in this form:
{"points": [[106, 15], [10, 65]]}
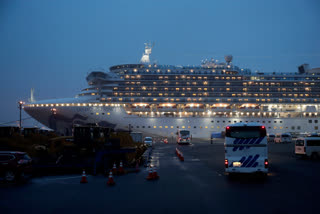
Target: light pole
{"points": [[20, 108]]}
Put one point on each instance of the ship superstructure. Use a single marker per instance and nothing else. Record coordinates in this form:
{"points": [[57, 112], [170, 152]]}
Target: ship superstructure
{"points": [[160, 99]]}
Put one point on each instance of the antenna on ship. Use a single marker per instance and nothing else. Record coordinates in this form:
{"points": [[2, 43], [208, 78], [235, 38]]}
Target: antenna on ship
{"points": [[31, 99], [145, 59]]}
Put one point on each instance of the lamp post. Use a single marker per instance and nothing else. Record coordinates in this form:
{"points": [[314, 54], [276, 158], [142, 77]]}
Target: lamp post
{"points": [[20, 109]]}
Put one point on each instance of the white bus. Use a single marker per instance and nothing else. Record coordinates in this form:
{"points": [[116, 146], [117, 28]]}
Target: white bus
{"points": [[246, 148], [183, 136], [308, 147]]}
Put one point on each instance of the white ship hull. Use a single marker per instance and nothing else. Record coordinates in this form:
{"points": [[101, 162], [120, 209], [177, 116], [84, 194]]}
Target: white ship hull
{"points": [[115, 116]]}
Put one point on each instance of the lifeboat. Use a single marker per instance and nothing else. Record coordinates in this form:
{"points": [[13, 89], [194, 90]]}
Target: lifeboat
{"points": [[136, 107], [167, 107], [249, 107], [220, 107], [194, 107]]}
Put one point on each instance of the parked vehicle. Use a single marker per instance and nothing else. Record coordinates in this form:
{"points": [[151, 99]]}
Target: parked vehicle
{"points": [[136, 137], [14, 165], [148, 141], [246, 148], [283, 138], [308, 147], [271, 137], [183, 136]]}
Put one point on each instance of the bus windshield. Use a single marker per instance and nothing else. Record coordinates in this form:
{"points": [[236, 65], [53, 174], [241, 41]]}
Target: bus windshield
{"points": [[300, 143], [246, 132], [184, 133]]}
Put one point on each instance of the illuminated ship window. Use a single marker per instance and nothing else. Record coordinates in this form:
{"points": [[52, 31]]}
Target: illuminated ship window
{"points": [[166, 127], [160, 127], [274, 127], [97, 113], [108, 113], [206, 127], [218, 127], [183, 127], [281, 127], [154, 127], [171, 127], [212, 127]]}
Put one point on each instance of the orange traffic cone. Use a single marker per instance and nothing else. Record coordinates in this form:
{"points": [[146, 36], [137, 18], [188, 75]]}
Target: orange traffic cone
{"points": [[83, 178], [121, 171], [155, 174], [110, 180], [179, 153], [114, 169], [150, 176], [181, 157]]}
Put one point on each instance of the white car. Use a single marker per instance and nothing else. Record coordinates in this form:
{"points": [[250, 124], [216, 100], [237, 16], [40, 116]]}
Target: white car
{"points": [[148, 141], [271, 137], [283, 138]]}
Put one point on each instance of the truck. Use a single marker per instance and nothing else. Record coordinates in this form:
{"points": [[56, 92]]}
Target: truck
{"points": [[136, 137]]}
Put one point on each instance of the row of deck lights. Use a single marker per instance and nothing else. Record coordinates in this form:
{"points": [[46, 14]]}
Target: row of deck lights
{"points": [[73, 104], [213, 113], [140, 105]]}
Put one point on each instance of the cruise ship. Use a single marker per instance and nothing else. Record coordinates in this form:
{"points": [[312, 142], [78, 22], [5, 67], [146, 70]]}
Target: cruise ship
{"points": [[158, 100]]}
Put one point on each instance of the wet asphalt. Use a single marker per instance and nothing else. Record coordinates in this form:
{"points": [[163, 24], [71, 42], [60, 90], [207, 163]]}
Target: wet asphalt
{"points": [[196, 185]]}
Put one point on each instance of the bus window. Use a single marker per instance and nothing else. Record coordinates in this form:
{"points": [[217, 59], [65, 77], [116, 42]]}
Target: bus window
{"points": [[245, 131], [313, 142], [184, 133]]}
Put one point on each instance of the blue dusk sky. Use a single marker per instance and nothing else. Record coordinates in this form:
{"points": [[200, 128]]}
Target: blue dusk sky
{"points": [[51, 45]]}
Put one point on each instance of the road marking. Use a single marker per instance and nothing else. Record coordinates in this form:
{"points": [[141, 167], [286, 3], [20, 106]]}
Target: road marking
{"points": [[44, 180], [53, 179]]}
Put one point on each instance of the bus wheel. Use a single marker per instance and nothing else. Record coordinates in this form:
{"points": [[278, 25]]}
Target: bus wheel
{"points": [[314, 156]]}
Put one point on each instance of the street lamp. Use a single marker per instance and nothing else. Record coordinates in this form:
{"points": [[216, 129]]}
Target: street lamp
{"points": [[20, 108]]}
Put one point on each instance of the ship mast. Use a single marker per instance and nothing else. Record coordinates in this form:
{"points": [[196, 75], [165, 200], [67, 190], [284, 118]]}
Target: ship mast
{"points": [[145, 59]]}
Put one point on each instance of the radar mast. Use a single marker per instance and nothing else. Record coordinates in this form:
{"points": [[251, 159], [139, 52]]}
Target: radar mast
{"points": [[145, 59]]}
